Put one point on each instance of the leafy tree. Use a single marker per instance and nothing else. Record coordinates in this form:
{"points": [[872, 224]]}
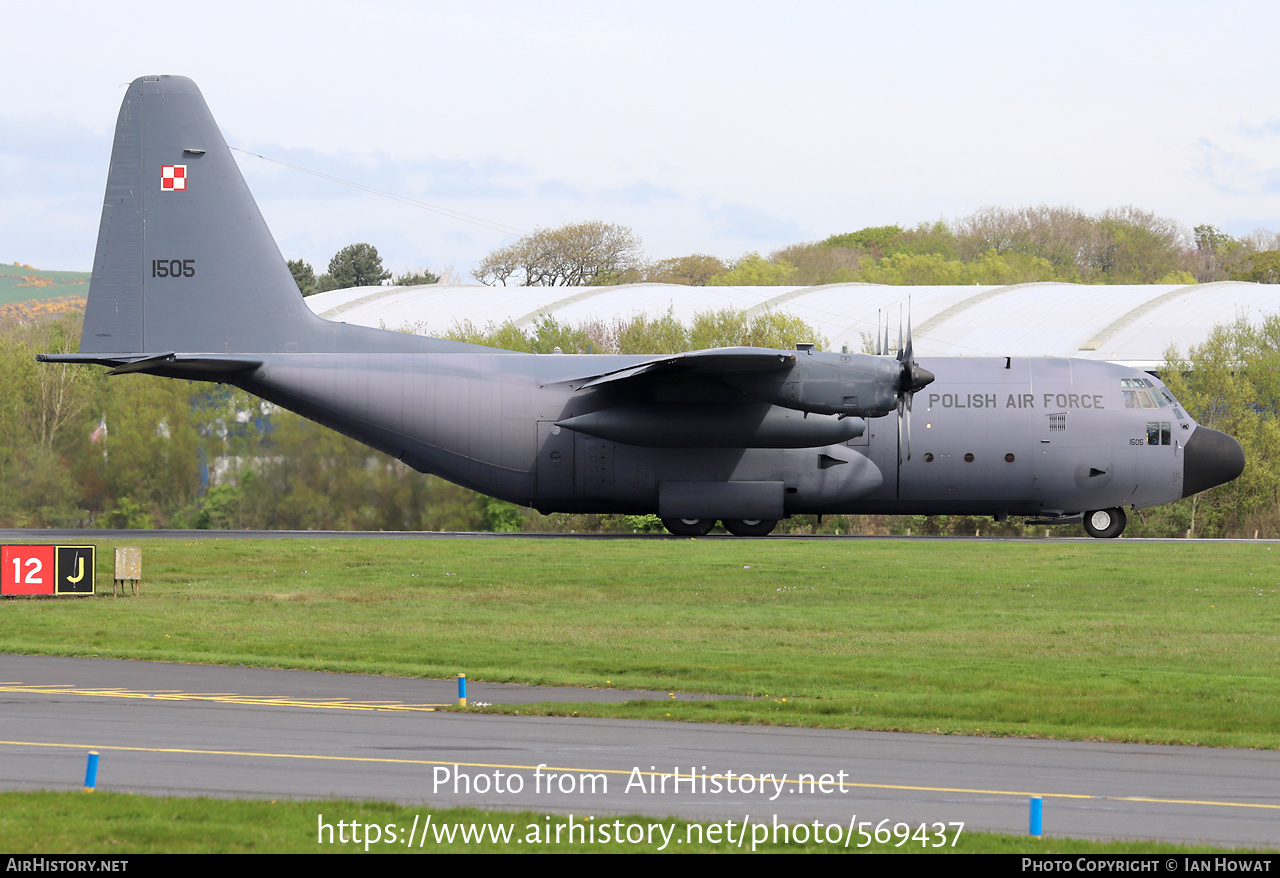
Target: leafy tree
{"points": [[1231, 382], [642, 334], [1139, 247], [304, 276], [1261, 268], [148, 462], [821, 263], [543, 338], [765, 329], [695, 270], [873, 240], [500, 516], [416, 277], [991, 268], [44, 420], [1066, 237], [753, 270], [579, 254], [508, 336], [355, 265]]}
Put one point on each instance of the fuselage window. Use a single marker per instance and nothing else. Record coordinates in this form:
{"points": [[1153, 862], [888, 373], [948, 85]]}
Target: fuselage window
{"points": [[1159, 433]]}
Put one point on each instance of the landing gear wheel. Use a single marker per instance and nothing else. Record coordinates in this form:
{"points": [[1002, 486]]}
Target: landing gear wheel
{"points": [[1104, 524], [750, 527], [689, 527]]}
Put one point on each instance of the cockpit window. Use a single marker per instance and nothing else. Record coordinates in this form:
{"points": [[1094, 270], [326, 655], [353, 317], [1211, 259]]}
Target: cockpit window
{"points": [[1142, 393], [1140, 399], [1166, 399]]}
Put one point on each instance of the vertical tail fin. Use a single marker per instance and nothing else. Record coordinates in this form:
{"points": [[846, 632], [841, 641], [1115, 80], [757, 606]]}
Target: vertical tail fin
{"points": [[185, 261]]}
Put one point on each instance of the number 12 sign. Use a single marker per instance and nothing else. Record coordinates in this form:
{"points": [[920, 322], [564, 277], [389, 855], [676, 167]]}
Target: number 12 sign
{"points": [[46, 569]]}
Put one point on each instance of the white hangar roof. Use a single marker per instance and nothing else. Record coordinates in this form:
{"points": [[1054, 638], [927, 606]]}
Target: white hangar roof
{"points": [[1124, 324]]}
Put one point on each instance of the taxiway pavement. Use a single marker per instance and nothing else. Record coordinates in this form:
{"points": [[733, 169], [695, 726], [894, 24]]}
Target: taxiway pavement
{"points": [[188, 730]]}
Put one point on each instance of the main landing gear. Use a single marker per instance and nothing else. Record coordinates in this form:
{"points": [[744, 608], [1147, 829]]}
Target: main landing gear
{"points": [[750, 527], [689, 527], [740, 527]]}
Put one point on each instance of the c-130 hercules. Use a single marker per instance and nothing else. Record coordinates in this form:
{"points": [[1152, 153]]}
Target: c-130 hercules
{"points": [[188, 283]]}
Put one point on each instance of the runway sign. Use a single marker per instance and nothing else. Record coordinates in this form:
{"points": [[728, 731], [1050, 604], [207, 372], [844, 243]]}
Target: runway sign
{"points": [[51, 570]]}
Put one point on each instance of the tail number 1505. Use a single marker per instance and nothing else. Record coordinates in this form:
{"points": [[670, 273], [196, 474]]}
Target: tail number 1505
{"points": [[173, 268]]}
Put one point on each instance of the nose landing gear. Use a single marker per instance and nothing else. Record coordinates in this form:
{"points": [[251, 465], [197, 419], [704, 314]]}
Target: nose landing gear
{"points": [[1105, 524]]}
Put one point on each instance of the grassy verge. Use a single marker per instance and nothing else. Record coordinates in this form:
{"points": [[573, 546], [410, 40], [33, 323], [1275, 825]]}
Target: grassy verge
{"points": [[1162, 642], [115, 824]]}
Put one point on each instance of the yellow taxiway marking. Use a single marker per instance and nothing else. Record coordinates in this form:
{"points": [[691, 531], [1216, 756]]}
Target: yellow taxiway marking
{"points": [[629, 773], [220, 697]]}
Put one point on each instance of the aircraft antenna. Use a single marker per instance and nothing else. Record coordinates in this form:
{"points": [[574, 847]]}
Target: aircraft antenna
{"points": [[491, 225]]}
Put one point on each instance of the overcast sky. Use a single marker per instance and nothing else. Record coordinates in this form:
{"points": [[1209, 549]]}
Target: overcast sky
{"points": [[704, 126]]}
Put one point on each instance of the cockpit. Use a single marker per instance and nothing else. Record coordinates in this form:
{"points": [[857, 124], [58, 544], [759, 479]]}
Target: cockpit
{"points": [[1143, 393]]}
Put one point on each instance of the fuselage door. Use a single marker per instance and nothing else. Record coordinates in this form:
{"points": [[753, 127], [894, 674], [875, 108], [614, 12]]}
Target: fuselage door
{"points": [[555, 460]]}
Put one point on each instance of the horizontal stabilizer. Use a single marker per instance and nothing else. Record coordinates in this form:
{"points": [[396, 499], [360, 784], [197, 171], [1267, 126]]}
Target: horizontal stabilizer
{"points": [[170, 364]]}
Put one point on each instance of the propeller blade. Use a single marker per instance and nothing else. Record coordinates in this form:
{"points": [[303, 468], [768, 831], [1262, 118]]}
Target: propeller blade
{"points": [[906, 424], [907, 356], [911, 378], [900, 404]]}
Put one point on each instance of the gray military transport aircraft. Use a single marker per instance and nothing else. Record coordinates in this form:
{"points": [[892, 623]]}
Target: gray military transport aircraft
{"points": [[188, 283]]}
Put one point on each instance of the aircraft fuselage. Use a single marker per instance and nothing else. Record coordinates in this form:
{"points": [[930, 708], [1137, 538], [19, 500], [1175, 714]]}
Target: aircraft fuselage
{"points": [[991, 436]]}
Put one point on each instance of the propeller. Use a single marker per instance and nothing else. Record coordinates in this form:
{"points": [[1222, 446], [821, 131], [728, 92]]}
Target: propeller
{"points": [[911, 378]]}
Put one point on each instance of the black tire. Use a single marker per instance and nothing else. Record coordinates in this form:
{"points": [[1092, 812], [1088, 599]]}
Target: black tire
{"points": [[1105, 524], [750, 527], [689, 527]]}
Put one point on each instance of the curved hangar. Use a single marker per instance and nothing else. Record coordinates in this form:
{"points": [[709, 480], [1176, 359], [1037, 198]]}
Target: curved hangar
{"points": [[1131, 325]]}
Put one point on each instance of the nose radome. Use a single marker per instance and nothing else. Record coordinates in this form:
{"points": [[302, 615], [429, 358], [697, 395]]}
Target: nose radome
{"points": [[1210, 458]]}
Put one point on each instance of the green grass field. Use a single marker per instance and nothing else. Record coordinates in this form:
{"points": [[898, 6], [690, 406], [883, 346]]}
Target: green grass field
{"points": [[1154, 642]]}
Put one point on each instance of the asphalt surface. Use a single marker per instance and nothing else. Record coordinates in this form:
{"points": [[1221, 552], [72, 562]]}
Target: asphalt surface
{"points": [[242, 732]]}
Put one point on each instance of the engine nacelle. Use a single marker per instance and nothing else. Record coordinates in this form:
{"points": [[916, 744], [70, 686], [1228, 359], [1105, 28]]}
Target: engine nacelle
{"points": [[684, 425], [860, 385]]}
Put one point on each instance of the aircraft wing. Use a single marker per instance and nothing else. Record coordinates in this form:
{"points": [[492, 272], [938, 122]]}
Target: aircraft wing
{"points": [[720, 362]]}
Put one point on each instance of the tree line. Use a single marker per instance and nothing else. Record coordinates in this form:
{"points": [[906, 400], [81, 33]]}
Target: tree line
{"points": [[1124, 245], [81, 449], [994, 245]]}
